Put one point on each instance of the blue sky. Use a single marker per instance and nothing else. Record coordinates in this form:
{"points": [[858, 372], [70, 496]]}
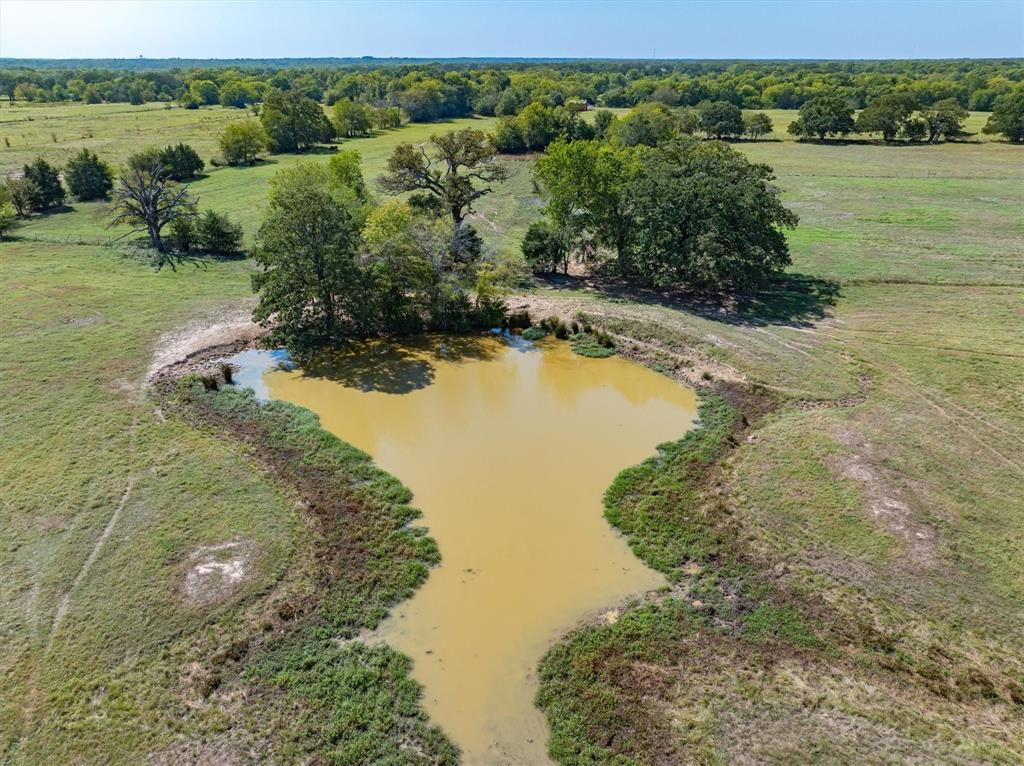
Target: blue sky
{"points": [[739, 29]]}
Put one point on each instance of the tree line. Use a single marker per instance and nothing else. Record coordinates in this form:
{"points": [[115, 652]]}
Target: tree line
{"points": [[146, 194], [429, 91]]}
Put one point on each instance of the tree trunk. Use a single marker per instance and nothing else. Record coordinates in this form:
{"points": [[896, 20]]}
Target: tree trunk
{"points": [[155, 240]]}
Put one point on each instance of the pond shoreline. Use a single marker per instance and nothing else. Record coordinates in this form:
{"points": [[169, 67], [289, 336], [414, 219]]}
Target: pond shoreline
{"points": [[206, 360]]}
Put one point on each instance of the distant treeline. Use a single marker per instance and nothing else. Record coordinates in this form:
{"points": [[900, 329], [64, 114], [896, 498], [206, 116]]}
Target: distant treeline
{"points": [[436, 90]]}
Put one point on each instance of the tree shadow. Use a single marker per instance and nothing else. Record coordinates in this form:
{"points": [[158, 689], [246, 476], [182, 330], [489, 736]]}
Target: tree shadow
{"points": [[56, 210], [397, 366], [795, 300]]}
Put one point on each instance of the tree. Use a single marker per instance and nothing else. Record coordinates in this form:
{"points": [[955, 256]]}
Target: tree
{"points": [[886, 115], [47, 191], [603, 121], [203, 92], [704, 217], [647, 124], [88, 176], [586, 184], [20, 192], [545, 248], [148, 200], [421, 276], [1007, 116], [8, 219], [507, 137], [345, 171], [237, 94], [312, 291], [294, 122], [8, 214], [757, 125], [914, 129], [182, 162], [352, 118], [445, 177], [687, 121], [215, 233], [944, 119], [823, 116], [538, 125], [243, 142], [397, 266], [721, 120]]}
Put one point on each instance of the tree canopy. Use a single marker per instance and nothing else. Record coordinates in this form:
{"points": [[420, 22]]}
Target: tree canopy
{"points": [[294, 122], [721, 120], [888, 115], [455, 171], [685, 214], [243, 141], [430, 91], [311, 289], [1008, 116], [822, 117], [704, 217]]}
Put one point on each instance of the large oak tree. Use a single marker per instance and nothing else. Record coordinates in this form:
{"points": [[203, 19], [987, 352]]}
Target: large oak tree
{"points": [[448, 175]]}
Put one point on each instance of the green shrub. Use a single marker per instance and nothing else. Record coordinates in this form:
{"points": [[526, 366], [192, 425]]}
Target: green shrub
{"points": [[534, 333], [88, 176], [556, 327], [47, 191], [216, 234], [182, 162], [183, 233]]}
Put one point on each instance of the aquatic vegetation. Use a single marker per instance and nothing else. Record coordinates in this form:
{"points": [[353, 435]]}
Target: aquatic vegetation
{"points": [[588, 344], [364, 558]]}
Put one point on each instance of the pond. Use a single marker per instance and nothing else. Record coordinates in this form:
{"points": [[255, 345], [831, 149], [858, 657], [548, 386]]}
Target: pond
{"points": [[508, 447]]}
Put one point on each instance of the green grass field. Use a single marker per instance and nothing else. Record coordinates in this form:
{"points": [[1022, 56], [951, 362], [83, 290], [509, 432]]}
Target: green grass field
{"points": [[885, 487]]}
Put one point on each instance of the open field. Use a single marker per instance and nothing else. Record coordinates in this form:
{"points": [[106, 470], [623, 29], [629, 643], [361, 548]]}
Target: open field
{"points": [[883, 487]]}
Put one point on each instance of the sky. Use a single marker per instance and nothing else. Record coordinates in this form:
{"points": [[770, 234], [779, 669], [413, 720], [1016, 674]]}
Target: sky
{"points": [[550, 28]]}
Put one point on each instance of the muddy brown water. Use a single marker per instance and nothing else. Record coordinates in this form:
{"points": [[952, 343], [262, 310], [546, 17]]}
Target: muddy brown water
{"points": [[508, 448]]}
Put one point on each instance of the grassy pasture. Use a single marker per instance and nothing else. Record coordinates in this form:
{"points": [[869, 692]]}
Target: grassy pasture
{"points": [[888, 487]]}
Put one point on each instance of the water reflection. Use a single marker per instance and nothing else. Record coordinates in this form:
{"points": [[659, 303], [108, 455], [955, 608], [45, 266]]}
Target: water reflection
{"points": [[397, 368]]}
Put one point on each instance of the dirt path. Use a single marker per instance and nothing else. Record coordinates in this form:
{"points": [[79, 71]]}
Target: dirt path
{"points": [[65, 600]]}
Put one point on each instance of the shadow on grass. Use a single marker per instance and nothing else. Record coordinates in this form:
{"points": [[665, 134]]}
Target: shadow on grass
{"points": [[398, 367], [139, 249], [795, 300]]}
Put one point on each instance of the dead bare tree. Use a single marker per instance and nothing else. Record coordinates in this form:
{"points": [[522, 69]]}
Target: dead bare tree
{"points": [[148, 200]]}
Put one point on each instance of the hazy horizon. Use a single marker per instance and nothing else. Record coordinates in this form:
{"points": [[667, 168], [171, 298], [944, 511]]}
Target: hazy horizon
{"points": [[172, 29]]}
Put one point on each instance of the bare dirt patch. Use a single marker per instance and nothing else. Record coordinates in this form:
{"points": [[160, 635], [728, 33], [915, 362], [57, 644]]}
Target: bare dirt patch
{"points": [[215, 572], [233, 329], [887, 503], [688, 364], [217, 752]]}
